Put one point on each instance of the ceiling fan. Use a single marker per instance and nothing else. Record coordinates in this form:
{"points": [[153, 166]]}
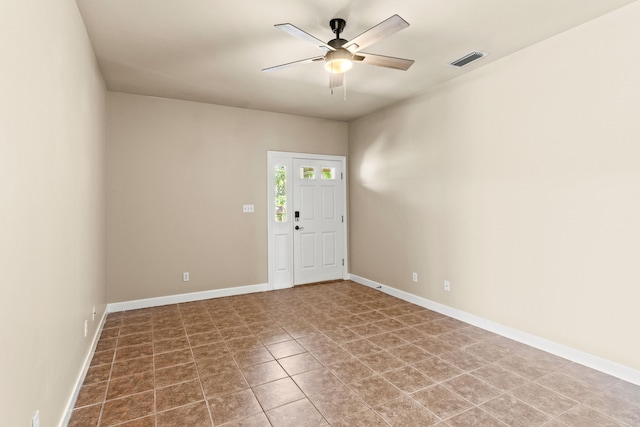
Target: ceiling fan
{"points": [[340, 54]]}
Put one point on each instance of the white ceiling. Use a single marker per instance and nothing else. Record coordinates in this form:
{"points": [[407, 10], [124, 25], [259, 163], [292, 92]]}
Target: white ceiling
{"points": [[213, 50]]}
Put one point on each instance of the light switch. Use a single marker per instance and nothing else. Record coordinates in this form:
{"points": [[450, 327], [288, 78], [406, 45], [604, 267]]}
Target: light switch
{"points": [[247, 208]]}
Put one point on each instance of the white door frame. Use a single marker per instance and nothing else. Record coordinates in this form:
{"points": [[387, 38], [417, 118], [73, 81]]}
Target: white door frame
{"points": [[280, 236]]}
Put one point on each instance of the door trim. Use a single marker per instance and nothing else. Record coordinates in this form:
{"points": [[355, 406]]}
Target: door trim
{"points": [[283, 277]]}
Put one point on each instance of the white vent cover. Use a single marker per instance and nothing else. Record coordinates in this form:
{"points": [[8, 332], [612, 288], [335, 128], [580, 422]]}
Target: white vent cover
{"points": [[468, 58]]}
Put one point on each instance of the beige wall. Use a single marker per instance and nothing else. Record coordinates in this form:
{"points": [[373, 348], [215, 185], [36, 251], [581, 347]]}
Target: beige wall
{"points": [[52, 134], [520, 183], [178, 175]]}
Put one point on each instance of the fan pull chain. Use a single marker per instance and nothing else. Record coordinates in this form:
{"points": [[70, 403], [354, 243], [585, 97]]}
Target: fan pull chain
{"points": [[344, 88], [332, 84]]}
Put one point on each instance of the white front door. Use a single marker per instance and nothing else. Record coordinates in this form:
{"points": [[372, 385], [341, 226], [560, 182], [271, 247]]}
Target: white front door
{"points": [[307, 218], [318, 223]]}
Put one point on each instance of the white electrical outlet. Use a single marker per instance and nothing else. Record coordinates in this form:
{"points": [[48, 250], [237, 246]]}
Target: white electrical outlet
{"points": [[415, 277], [447, 286], [185, 276], [35, 421], [93, 314], [86, 328], [247, 208]]}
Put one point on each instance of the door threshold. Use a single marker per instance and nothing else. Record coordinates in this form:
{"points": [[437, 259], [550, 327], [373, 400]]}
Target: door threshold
{"points": [[324, 282]]}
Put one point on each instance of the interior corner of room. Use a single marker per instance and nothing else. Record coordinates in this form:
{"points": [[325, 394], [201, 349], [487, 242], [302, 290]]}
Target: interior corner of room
{"points": [[517, 183]]}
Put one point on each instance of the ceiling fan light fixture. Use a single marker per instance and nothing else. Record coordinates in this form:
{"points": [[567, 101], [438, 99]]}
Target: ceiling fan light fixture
{"points": [[338, 61], [337, 66]]}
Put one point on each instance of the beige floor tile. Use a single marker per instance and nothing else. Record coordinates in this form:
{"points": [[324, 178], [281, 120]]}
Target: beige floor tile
{"points": [[338, 403], [351, 369], [263, 373], [475, 417], [409, 353], [194, 415], [277, 393], [132, 367], [226, 381], [273, 336], [128, 353], [583, 416], [132, 384], [257, 420], [148, 421], [499, 377], [382, 361], [127, 408], [165, 360], [298, 413], [367, 418], [471, 388], [543, 399], [514, 412], [591, 377], [375, 390], [317, 381], [233, 406], [175, 374], [441, 401], [178, 395], [330, 352], [566, 386], [252, 356], [98, 373], [464, 360], [626, 390], [87, 416], [406, 412], [361, 347], [408, 379], [615, 407], [299, 363], [285, 349], [438, 369], [204, 338]]}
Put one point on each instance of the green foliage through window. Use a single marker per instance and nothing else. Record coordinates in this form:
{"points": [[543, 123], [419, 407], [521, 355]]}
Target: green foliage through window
{"points": [[328, 173], [281, 193], [307, 172]]}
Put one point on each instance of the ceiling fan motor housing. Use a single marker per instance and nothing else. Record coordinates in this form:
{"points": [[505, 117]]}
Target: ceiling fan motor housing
{"points": [[336, 43]]}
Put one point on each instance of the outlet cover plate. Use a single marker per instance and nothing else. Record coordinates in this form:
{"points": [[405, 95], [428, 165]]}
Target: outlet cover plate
{"points": [[447, 286]]}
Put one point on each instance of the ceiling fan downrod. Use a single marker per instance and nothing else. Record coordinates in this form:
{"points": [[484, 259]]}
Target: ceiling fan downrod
{"points": [[337, 26]]}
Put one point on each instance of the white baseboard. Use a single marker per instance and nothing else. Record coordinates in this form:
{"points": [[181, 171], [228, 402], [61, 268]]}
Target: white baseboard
{"points": [[83, 372], [182, 298], [603, 365]]}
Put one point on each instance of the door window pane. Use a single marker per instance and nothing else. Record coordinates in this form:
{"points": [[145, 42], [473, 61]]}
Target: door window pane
{"points": [[328, 173], [307, 172], [281, 193]]}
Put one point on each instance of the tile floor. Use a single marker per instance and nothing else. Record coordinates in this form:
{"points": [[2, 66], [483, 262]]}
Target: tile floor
{"points": [[337, 354]]}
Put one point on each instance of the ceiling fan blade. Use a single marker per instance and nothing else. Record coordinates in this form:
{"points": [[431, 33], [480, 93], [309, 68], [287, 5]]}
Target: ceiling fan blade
{"points": [[384, 29], [384, 61], [289, 64], [297, 32]]}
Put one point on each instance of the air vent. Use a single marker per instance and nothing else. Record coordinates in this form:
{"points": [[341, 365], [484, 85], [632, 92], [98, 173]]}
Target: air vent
{"points": [[470, 57]]}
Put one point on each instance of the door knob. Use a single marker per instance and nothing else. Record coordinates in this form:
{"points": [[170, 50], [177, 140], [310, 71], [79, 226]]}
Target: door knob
{"points": [[299, 228]]}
